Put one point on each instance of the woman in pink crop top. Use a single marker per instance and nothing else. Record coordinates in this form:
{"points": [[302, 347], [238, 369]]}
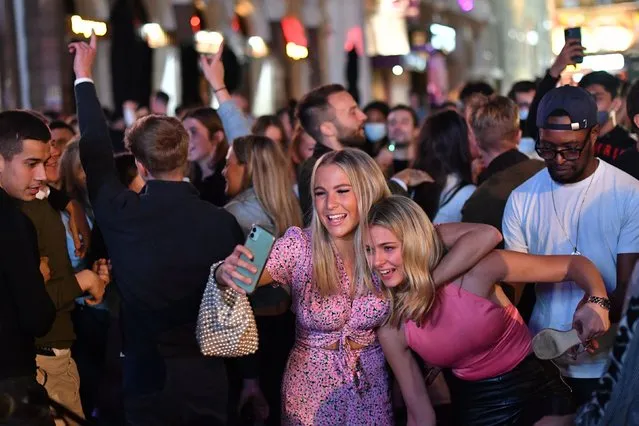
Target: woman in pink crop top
{"points": [[336, 373], [469, 325]]}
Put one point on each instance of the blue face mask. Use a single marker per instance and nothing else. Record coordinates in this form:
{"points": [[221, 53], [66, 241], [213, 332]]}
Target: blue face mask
{"points": [[375, 132], [523, 114], [602, 117]]}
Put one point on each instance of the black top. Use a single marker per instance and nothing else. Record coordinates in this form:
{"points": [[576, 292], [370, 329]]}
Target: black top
{"points": [[611, 145], [162, 243], [505, 173], [629, 162], [304, 183], [211, 188], [26, 311], [501, 162]]}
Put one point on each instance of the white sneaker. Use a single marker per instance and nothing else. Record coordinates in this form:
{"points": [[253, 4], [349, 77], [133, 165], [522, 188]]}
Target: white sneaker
{"points": [[550, 343]]}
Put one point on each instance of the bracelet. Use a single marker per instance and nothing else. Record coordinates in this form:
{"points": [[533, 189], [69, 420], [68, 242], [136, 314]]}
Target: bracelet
{"points": [[219, 90], [215, 267], [604, 302]]}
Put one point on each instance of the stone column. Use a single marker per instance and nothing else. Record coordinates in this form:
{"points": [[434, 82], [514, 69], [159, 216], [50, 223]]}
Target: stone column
{"points": [[46, 79], [341, 17], [10, 93]]}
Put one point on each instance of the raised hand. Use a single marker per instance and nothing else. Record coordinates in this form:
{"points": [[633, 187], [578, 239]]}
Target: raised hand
{"points": [[571, 49], [213, 68], [84, 56]]}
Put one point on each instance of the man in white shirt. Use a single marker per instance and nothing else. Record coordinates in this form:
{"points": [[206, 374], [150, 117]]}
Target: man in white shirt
{"points": [[576, 205]]}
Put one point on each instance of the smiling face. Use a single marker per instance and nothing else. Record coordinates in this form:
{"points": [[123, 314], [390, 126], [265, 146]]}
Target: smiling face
{"points": [[335, 202], [384, 254], [23, 175]]}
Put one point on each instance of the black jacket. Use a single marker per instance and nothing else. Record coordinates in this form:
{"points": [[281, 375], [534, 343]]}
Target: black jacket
{"points": [[162, 242], [26, 311]]}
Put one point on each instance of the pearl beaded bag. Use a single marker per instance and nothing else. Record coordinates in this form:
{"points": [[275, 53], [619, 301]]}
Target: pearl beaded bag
{"points": [[226, 324]]}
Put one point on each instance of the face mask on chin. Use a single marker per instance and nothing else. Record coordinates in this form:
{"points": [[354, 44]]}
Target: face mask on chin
{"points": [[523, 114], [374, 132]]}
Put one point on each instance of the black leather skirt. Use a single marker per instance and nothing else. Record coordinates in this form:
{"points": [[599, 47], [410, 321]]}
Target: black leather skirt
{"points": [[522, 396]]}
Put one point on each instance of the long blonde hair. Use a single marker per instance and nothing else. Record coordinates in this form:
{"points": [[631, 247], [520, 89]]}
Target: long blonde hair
{"points": [[369, 186], [267, 171], [422, 250]]}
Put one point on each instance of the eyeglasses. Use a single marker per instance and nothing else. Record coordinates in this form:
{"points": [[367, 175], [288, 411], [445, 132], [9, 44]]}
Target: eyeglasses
{"points": [[568, 154]]}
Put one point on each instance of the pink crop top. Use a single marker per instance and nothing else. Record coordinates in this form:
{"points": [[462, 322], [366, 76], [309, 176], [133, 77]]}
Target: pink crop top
{"points": [[475, 337]]}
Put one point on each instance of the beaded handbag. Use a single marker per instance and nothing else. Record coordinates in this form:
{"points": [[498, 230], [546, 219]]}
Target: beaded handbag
{"points": [[226, 324]]}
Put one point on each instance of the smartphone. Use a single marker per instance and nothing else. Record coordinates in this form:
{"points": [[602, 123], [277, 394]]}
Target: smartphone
{"points": [[260, 242], [574, 34]]}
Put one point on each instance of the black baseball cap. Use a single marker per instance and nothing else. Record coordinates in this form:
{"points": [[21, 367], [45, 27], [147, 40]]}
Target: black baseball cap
{"points": [[578, 104]]}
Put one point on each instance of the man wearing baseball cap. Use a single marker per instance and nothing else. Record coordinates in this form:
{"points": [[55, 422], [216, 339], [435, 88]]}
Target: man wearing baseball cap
{"points": [[577, 205]]}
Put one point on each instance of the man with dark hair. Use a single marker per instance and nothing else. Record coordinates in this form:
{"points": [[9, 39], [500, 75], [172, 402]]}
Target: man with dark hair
{"points": [[613, 139], [473, 88], [403, 128], [159, 103], [162, 243], [577, 205], [523, 93], [330, 115], [61, 132], [26, 311], [375, 129]]}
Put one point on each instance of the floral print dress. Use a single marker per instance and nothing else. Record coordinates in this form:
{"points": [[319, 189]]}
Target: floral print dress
{"points": [[323, 386]]}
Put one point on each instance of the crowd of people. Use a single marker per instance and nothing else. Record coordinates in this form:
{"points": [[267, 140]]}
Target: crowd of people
{"points": [[415, 257]]}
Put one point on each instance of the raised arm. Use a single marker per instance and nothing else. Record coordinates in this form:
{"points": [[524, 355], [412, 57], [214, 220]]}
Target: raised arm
{"points": [[467, 244], [233, 120], [408, 375], [96, 150], [514, 267]]}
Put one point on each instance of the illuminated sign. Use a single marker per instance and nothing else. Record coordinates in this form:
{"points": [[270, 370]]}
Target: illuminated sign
{"points": [[85, 26], [208, 41], [154, 35]]}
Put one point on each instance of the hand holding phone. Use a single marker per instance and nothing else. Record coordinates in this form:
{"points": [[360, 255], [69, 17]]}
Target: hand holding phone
{"points": [[259, 242], [572, 35]]}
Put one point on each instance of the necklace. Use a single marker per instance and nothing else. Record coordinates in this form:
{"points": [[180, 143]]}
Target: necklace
{"points": [[575, 251]]}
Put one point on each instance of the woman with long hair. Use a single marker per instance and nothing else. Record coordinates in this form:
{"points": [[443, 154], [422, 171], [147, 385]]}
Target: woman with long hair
{"points": [[336, 372], [444, 153], [271, 127], [469, 325], [207, 153], [261, 188]]}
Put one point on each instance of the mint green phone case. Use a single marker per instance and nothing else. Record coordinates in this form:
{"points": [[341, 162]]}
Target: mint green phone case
{"points": [[260, 242]]}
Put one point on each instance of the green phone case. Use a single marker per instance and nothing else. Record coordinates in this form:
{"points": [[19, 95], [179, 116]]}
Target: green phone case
{"points": [[259, 242]]}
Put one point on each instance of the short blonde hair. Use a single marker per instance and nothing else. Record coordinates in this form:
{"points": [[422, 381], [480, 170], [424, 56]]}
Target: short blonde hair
{"points": [[422, 250], [369, 186], [493, 121]]}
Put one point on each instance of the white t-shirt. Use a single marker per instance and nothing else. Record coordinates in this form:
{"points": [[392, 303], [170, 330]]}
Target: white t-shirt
{"points": [[609, 226], [452, 200]]}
